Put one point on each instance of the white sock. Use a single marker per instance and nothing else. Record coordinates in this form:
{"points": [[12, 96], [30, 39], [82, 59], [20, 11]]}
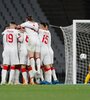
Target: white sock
{"points": [[38, 65], [41, 72], [11, 76], [54, 75], [31, 74], [48, 75], [17, 72], [24, 74], [32, 62], [4, 74]]}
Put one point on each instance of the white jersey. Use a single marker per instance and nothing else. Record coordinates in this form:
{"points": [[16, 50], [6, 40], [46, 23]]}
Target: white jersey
{"points": [[25, 40], [10, 38], [10, 53], [45, 38], [31, 27]]}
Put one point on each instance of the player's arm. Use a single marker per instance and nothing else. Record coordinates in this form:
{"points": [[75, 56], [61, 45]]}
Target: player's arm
{"points": [[20, 37]]}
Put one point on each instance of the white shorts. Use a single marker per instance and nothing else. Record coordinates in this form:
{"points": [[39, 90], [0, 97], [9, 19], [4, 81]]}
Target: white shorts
{"points": [[34, 43], [10, 56], [23, 55], [45, 56]]}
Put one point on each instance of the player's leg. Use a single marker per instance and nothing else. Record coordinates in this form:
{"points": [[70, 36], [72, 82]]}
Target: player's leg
{"points": [[37, 55], [54, 76], [45, 60], [42, 78], [31, 54], [24, 74], [31, 76], [14, 61], [47, 67], [4, 74], [17, 73], [37, 59], [23, 61], [11, 75], [31, 70], [55, 79], [54, 73], [47, 70], [6, 61], [42, 73]]}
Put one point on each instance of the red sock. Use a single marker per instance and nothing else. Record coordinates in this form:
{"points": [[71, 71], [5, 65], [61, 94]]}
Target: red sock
{"points": [[47, 69], [5, 67], [17, 68], [12, 67], [29, 68], [23, 69], [52, 68]]}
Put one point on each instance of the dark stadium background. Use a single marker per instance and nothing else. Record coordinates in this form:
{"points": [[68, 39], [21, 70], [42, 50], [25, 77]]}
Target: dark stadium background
{"points": [[55, 12]]}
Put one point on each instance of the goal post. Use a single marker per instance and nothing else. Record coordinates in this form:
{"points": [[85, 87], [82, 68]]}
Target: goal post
{"points": [[77, 51], [74, 51]]}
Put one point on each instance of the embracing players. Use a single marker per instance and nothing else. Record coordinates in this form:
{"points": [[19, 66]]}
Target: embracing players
{"points": [[31, 28]]}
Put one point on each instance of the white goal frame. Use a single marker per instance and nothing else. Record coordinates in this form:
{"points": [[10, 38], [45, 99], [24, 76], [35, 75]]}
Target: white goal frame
{"points": [[74, 47]]}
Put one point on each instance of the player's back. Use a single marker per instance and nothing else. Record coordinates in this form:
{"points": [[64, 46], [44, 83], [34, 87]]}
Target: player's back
{"points": [[44, 36], [31, 27], [25, 40], [10, 38]]}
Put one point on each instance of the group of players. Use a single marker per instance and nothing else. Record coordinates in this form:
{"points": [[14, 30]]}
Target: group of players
{"points": [[27, 49]]}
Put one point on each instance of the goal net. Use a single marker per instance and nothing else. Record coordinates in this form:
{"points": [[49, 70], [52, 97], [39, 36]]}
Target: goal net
{"points": [[77, 50]]}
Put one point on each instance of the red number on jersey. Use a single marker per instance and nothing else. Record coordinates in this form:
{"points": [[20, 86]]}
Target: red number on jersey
{"points": [[9, 38], [45, 39], [26, 39]]}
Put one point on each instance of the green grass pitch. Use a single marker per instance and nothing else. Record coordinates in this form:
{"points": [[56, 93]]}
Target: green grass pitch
{"points": [[45, 92]]}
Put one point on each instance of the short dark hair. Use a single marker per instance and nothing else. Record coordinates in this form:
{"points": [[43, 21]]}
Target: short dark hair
{"points": [[44, 24], [12, 22], [29, 18]]}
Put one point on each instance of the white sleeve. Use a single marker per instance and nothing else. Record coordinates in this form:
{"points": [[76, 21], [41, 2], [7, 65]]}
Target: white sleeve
{"points": [[29, 45], [23, 24], [49, 41]]}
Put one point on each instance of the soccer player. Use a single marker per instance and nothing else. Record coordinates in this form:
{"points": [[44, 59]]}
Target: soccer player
{"points": [[10, 53], [23, 54], [18, 67], [16, 75], [31, 28], [45, 56], [88, 75], [51, 54]]}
